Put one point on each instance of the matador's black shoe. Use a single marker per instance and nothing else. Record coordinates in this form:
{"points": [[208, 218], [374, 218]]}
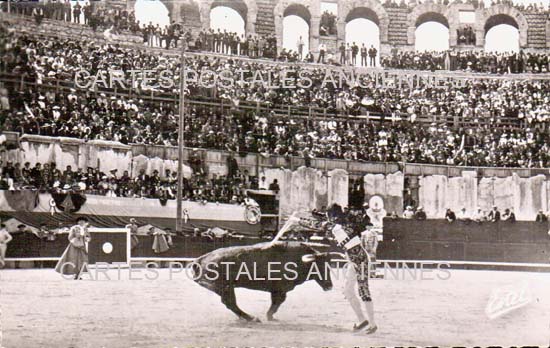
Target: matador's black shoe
{"points": [[360, 326]]}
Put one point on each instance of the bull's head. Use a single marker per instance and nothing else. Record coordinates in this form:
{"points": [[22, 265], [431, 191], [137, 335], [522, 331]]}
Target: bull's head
{"points": [[320, 260]]}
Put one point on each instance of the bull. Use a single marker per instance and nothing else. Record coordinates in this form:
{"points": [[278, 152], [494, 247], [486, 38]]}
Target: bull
{"points": [[272, 267]]}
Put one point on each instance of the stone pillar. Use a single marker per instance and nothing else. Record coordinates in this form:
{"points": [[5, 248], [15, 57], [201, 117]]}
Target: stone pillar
{"points": [[411, 35], [314, 24], [341, 32], [278, 21], [175, 12], [251, 16], [205, 15]]}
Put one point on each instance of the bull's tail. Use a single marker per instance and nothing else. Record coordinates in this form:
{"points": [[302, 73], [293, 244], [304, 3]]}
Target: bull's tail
{"points": [[196, 268]]}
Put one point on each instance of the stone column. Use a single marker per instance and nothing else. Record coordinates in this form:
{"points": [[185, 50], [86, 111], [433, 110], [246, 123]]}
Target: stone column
{"points": [[205, 15], [278, 21], [251, 16], [314, 24], [341, 32], [175, 12]]}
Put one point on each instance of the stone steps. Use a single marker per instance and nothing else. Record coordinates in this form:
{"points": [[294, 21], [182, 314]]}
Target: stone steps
{"points": [[62, 29], [536, 34], [397, 31], [265, 21]]}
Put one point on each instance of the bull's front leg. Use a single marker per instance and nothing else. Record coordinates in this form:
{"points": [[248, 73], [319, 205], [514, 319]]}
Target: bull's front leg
{"points": [[277, 299], [230, 301]]}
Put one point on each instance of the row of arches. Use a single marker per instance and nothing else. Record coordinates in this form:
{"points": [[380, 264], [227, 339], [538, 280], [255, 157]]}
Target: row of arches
{"points": [[362, 25]]}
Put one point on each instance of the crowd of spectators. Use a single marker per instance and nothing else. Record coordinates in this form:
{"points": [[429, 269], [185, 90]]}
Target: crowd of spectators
{"points": [[231, 188], [328, 24], [88, 14], [225, 42], [466, 36], [477, 99], [478, 215], [470, 61], [231, 43], [93, 115], [87, 116]]}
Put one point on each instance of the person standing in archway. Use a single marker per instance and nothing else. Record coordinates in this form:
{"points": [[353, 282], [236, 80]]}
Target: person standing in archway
{"points": [[354, 52], [363, 55], [342, 50], [372, 56], [322, 50], [300, 46]]}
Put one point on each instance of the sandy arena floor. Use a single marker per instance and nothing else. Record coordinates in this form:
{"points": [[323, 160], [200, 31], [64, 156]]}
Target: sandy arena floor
{"points": [[40, 309]]}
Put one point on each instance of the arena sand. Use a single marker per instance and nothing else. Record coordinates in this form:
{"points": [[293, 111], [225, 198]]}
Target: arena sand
{"points": [[40, 309]]}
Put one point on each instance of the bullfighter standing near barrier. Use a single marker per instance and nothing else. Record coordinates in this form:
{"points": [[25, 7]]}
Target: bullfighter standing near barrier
{"points": [[74, 260], [357, 250], [357, 274]]}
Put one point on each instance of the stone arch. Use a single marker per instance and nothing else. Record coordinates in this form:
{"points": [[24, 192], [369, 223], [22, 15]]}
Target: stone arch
{"points": [[502, 14], [369, 9], [309, 10], [175, 9], [428, 12], [248, 9]]}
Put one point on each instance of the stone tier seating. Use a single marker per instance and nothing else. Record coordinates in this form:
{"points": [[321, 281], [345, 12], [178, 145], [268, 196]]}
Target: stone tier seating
{"points": [[397, 32], [50, 27], [265, 22], [536, 35]]}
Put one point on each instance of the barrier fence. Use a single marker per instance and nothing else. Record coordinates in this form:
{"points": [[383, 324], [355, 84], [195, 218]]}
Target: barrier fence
{"points": [[502, 245]]}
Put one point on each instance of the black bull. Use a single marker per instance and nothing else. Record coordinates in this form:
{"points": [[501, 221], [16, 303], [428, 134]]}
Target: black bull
{"points": [[276, 269]]}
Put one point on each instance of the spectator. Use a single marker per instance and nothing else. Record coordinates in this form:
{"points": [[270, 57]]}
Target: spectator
{"points": [[478, 215], [363, 55], [263, 185], [408, 213], [541, 217], [420, 214], [274, 186], [494, 215], [509, 215], [322, 50], [450, 215], [232, 166], [463, 215], [373, 52], [300, 46]]}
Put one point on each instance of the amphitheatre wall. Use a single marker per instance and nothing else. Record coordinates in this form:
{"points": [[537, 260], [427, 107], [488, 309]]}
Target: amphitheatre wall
{"points": [[396, 25]]}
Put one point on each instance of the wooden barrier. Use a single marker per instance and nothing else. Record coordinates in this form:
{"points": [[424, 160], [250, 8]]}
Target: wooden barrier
{"points": [[513, 242]]}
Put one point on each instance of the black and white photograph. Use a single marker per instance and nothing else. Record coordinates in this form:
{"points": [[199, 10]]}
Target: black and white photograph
{"points": [[274, 173]]}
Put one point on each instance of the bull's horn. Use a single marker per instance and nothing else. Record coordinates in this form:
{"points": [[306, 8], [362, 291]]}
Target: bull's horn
{"points": [[308, 258]]}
